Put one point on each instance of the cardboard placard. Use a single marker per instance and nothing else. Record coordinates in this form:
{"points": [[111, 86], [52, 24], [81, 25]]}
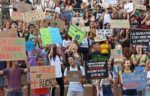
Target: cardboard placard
{"points": [[106, 3], [100, 32], [74, 76], [45, 36], [76, 33], [100, 38], [116, 53], [29, 45], [12, 49], [41, 76], [141, 7], [78, 21], [128, 7], [31, 16], [85, 28], [140, 36], [120, 24], [96, 70], [12, 33], [17, 16], [135, 80], [24, 7]]}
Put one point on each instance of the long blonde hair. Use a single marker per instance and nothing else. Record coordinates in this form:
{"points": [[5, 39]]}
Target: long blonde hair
{"points": [[147, 67]]}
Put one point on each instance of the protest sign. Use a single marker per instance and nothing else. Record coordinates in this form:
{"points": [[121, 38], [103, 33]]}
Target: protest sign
{"points": [[55, 35], [45, 36], [85, 28], [35, 15], [17, 16], [139, 36], [41, 76], [135, 80], [96, 70], [106, 3], [74, 76], [78, 21], [141, 7], [29, 45], [100, 32], [12, 49], [12, 33], [116, 53], [128, 7], [23, 7], [100, 38], [98, 57], [120, 24], [76, 33]]}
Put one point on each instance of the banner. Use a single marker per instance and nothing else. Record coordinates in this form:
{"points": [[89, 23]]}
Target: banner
{"points": [[23, 7], [17, 16], [29, 45], [140, 37], [96, 70], [41, 76], [106, 3], [11, 33], [35, 15], [136, 80], [76, 33], [120, 24], [45, 36], [116, 53], [55, 35], [12, 49], [74, 76], [100, 32]]}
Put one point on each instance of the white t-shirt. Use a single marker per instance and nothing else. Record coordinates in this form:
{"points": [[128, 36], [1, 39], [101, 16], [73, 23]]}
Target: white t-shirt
{"points": [[57, 63], [107, 18], [66, 43], [75, 86]]}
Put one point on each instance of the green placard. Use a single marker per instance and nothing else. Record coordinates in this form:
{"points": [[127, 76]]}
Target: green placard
{"points": [[45, 36], [76, 33]]}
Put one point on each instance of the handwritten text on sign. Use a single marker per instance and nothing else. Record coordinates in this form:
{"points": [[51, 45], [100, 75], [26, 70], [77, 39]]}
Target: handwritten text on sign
{"points": [[41, 76], [136, 80], [12, 49], [140, 37], [96, 70]]}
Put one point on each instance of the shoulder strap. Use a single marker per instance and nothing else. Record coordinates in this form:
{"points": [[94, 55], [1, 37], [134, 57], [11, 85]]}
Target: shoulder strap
{"points": [[78, 67]]}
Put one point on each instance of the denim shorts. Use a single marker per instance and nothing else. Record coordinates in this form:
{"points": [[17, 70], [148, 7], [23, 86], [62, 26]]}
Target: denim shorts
{"points": [[2, 81], [15, 93]]}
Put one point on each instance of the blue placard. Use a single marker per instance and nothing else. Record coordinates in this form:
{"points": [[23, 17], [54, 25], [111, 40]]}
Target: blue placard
{"points": [[29, 45], [135, 80], [55, 35]]}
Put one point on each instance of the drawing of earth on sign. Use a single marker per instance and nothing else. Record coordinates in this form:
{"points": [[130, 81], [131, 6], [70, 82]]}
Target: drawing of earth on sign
{"points": [[77, 37]]}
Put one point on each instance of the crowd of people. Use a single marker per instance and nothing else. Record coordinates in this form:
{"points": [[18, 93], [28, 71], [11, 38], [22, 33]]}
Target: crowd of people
{"points": [[70, 55]]}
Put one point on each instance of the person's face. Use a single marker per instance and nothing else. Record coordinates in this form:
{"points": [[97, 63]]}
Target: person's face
{"points": [[118, 47], [75, 48], [108, 26], [19, 25], [124, 15], [32, 28], [14, 25], [14, 64], [71, 61], [8, 25], [127, 64], [40, 61], [138, 49], [96, 46]]}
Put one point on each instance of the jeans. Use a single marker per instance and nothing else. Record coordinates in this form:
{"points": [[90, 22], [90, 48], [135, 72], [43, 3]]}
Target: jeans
{"points": [[15, 93], [116, 70], [74, 93], [60, 82], [107, 90], [69, 15]]}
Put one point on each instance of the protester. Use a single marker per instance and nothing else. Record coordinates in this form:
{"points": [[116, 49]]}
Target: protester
{"points": [[75, 88]]}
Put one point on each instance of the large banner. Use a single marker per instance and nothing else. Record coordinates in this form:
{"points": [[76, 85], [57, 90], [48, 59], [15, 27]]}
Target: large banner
{"points": [[76, 33], [96, 70], [136, 80], [12, 49], [120, 24], [9, 33], [41, 76], [35, 15], [17, 15], [140, 37]]}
